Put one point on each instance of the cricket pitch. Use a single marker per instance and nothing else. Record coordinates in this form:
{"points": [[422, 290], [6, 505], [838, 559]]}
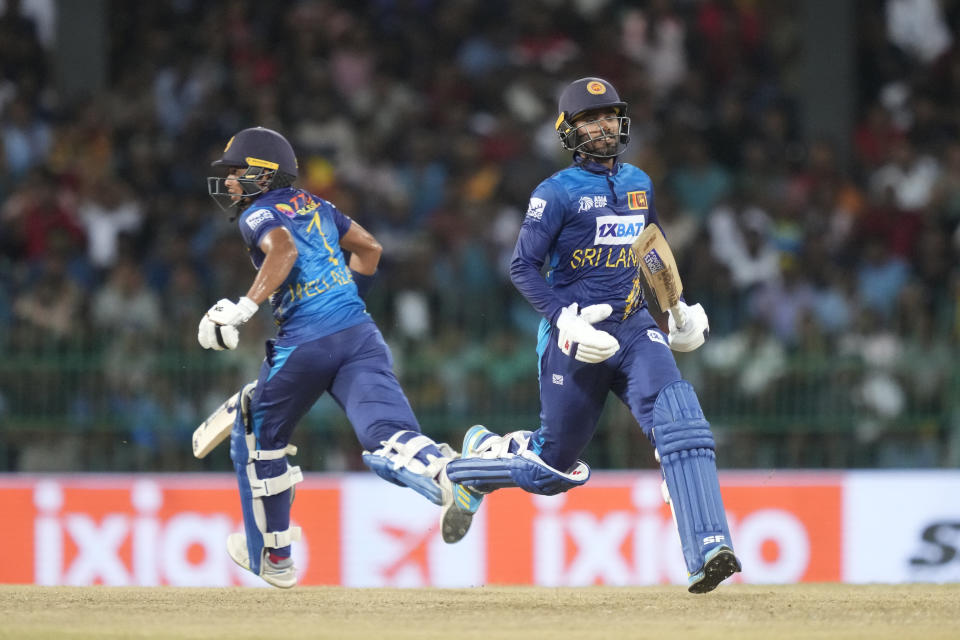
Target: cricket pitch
{"points": [[528, 613]]}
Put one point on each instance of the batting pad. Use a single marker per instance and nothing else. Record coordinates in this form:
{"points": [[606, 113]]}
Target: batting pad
{"points": [[685, 447], [266, 482], [411, 459], [527, 472]]}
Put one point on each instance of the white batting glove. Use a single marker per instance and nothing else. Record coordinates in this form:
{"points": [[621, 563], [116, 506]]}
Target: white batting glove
{"points": [[217, 337], [593, 345], [694, 331], [218, 328]]}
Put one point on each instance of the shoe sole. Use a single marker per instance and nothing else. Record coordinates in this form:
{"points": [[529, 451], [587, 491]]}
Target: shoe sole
{"points": [[455, 524], [456, 519], [718, 568], [286, 584], [459, 514]]}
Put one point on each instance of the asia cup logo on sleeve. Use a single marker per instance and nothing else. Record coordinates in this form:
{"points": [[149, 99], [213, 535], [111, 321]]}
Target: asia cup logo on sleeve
{"points": [[536, 207]]}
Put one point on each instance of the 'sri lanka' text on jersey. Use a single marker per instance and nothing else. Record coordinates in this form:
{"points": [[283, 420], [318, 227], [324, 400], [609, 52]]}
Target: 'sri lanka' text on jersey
{"points": [[581, 222], [319, 296]]}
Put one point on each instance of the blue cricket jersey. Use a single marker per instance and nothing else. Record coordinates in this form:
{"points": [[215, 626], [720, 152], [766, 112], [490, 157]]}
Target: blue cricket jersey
{"points": [[581, 222], [318, 297]]}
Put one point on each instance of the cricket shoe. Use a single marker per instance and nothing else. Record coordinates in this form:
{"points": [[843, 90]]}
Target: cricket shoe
{"points": [[280, 574], [459, 502], [719, 564]]}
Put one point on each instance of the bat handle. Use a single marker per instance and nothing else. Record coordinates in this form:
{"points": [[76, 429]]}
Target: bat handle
{"points": [[679, 316]]}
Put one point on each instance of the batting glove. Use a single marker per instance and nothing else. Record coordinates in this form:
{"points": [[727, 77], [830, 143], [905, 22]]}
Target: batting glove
{"points": [[218, 328], [694, 330], [592, 345]]}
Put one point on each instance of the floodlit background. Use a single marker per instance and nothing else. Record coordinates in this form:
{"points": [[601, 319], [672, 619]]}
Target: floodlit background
{"points": [[805, 155]]}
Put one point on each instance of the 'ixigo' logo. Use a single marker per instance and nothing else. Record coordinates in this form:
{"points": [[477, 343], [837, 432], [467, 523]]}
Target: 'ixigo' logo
{"points": [[637, 543], [134, 546]]}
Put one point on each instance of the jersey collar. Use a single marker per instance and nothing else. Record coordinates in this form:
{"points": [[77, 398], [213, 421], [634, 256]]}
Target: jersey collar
{"points": [[588, 164], [269, 198]]}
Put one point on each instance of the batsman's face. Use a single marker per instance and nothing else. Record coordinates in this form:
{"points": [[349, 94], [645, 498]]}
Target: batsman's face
{"points": [[601, 127], [233, 185]]}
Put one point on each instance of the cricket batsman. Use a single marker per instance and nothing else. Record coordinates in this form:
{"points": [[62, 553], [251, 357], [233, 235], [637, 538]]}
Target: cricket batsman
{"points": [[326, 342], [597, 336]]}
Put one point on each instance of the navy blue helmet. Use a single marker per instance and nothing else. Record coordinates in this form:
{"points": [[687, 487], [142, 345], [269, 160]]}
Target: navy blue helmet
{"points": [[589, 94], [267, 161]]}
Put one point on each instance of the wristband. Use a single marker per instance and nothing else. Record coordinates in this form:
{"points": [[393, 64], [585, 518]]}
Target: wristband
{"points": [[363, 282], [247, 308]]}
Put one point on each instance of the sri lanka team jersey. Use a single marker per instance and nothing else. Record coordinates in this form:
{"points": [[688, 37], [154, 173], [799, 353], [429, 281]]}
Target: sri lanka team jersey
{"points": [[581, 222], [319, 296]]}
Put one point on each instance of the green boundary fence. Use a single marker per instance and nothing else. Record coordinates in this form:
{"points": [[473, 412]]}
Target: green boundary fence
{"points": [[115, 405]]}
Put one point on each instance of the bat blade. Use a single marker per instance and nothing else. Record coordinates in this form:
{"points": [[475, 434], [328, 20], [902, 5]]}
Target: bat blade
{"points": [[655, 260], [216, 427]]}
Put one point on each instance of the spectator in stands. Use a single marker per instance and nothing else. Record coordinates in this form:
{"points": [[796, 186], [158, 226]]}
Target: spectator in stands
{"points": [[424, 110], [50, 310], [108, 211]]}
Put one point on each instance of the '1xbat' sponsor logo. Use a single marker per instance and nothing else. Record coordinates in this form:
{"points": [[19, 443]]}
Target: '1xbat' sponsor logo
{"points": [[615, 230]]}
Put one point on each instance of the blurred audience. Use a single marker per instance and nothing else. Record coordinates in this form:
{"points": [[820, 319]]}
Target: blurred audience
{"points": [[831, 279]]}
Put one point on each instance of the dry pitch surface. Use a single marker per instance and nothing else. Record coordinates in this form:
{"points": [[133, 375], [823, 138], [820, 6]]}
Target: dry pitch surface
{"points": [[527, 613]]}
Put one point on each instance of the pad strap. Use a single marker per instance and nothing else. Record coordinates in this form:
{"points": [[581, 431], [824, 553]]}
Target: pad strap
{"points": [[266, 454], [492, 466], [513, 443], [403, 453], [280, 539], [273, 454], [272, 486], [397, 462]]}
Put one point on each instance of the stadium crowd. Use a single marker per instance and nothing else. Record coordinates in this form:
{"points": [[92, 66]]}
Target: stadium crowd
{"points": [[829, 268]]}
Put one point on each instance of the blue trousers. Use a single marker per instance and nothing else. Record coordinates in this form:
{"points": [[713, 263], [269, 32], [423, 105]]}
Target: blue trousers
{"points": [[572, 393], [354, 365]]}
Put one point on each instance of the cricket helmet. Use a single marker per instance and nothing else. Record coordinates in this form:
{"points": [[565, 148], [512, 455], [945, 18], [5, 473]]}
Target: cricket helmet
{"points": [[588, 94], [267, 160]]}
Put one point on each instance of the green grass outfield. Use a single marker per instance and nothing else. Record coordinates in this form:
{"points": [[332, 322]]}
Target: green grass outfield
{"points": [[731, 612]]}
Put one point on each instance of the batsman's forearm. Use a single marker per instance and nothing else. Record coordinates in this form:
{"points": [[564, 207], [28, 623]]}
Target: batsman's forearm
{"points": [[528, 281], [364, 249], [365, 262], [273, 272]]}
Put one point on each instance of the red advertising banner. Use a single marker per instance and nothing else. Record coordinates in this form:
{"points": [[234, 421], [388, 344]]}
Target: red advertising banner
{"points": [[361, 531], [147, 530], [618, 530]]}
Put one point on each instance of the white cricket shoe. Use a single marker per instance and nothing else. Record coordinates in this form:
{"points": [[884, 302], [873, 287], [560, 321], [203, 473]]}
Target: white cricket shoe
{"points": [[279, 574]]}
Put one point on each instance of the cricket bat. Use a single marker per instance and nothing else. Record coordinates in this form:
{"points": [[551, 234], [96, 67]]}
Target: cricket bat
{"points": [[216, 427], [655, 260]]}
